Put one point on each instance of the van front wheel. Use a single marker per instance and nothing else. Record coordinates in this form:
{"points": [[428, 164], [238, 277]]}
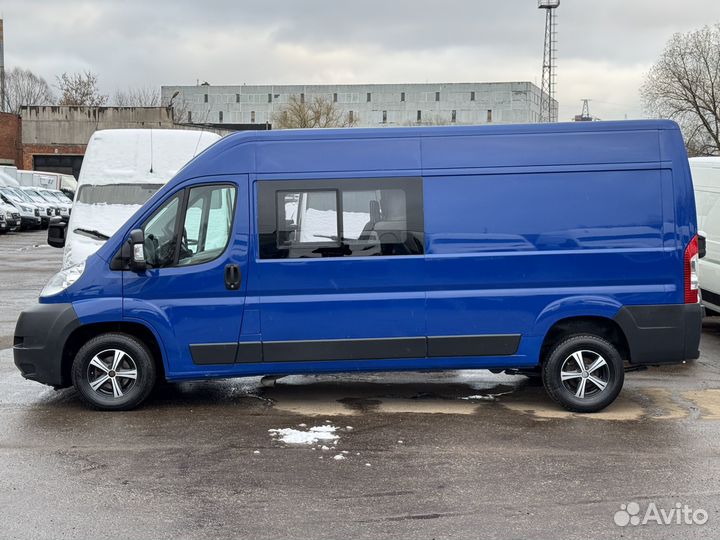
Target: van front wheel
{"points": [[113, 372], [583, 373]]}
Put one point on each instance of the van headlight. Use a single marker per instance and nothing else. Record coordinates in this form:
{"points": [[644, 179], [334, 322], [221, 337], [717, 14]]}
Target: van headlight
{"points": [[63, 279]]}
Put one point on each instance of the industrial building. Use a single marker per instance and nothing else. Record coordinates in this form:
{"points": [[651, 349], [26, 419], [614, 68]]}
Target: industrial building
{"points": [[364, 105]]}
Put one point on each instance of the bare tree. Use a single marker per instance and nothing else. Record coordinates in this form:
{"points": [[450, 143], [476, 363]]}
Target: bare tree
{"points": [[80, 90], [179, 106], [432, 120], [23, 87], [137, 97], [319, 112], [684, 85]]}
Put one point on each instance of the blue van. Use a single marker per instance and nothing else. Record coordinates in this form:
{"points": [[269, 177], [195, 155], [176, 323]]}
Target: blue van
{"points": [[561, 251]]}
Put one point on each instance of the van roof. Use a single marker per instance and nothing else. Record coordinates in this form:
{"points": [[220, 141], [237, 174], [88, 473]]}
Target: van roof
{"points": [[140, 155], [402, 154]]}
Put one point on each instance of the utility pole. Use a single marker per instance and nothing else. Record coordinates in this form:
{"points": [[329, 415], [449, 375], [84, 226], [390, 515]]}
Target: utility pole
{"points": [[2, 68], [548, 111]]}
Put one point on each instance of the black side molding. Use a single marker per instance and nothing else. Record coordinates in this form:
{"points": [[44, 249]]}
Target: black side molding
{"points": [[500, 345], [213, 353], [663, 334], [354, 349]]}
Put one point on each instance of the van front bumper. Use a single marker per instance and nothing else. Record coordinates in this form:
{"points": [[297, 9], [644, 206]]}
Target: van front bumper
{"points": [[40, 336], [662, 334]]}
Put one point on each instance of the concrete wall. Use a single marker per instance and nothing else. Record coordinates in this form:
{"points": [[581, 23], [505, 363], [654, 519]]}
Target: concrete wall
{"points": [[50, 125], [375, 105]]}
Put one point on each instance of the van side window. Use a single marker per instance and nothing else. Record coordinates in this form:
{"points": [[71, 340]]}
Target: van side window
{"points": [[160, 234], [208, 223], [307, 217], [340, 218]]}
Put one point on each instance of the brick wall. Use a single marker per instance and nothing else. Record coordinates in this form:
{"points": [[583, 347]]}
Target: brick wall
{"points": [[30, 150], [10, 138]]}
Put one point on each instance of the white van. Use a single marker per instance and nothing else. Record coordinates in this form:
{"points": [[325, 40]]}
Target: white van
{"points": [[121, 169], [706, 179]]}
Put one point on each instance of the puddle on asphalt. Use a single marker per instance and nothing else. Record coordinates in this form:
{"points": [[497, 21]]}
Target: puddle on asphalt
{"points": [[708, 401], [457, 397]]}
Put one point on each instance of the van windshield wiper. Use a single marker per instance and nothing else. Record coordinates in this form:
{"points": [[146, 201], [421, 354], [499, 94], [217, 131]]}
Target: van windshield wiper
{"points": [[92, 234]]}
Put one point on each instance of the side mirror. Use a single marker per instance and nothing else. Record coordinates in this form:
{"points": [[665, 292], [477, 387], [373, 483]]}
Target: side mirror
{"points": [[702, 244], [137, 245], [57, 232]]}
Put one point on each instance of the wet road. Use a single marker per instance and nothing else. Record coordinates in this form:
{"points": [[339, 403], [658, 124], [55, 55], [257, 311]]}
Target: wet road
{"points": [[444, 455]]}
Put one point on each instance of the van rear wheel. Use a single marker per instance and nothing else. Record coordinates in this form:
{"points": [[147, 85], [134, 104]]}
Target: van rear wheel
{"points": [[583, 373], [114, 372]]}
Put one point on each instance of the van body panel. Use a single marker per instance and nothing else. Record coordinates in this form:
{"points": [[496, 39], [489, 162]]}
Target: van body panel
{"points": [[521, 227]]}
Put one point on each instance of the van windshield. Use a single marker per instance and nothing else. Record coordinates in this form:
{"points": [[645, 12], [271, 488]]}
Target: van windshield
{"points": [[135, 194]]}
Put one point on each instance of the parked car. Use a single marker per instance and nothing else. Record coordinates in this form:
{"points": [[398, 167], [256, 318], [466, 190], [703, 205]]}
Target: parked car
{"points": [[9, 218], [62, 200], [48, 209], [559, 250], [122, 169], [706, 179], [29, 213]]}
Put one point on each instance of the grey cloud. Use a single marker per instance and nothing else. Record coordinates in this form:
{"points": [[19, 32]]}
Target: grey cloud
{"points": [[603, 46]]}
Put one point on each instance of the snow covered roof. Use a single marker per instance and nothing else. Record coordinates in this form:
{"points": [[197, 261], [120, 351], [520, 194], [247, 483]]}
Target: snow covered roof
{"points": [[140, 155]]}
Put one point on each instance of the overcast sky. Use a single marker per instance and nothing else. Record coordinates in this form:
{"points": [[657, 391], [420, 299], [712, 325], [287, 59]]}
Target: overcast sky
{"points": [[604, 48]]}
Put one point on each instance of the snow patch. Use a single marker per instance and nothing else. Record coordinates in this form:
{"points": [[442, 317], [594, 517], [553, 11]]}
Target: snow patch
{"points": [[339, 457], [311, 436]]}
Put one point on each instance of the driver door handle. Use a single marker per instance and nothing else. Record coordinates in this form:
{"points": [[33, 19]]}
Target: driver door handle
{"points": [[232, 277]]}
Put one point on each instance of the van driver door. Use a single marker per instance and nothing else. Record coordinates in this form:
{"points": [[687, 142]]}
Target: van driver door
{"points": [[193, 290]]}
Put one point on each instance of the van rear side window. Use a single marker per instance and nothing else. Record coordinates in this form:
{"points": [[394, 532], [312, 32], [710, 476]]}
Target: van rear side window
{"points": [[340, 218]]}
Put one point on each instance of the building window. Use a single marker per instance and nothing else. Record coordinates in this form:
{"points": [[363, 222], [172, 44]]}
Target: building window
{"points": [[302, 98], [237, 98], [269, 98], [437, 96], [402, 96], [489, 115], [453, 116], [346, 218], [252, 117], [189, 117], [472, 96], [384, 120], [419, 116], [335, 97], [220, 117], [351, 117], [369, 97], [206, 98]]}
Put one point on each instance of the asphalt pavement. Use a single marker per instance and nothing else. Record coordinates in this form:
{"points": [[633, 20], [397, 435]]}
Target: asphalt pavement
{"points": [[404, 455]]}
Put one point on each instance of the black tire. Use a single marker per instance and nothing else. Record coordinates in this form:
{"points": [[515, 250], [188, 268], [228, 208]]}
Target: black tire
{"points": [[118, 392], [568, 393]]}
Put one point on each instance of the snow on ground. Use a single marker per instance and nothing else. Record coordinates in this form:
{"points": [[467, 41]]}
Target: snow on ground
{"points": [[310, 436]]}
